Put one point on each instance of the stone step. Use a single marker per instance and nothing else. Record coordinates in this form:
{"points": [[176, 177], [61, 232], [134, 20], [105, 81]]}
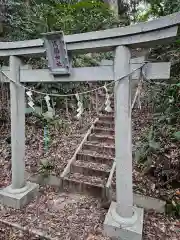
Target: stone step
{"points": [[106, 118], [95, 180], [80, 183], [99, 148], [111, 114], [101, 138], [89, 169], [105, 131], [106, 167], [104, 124], [87, 155]]}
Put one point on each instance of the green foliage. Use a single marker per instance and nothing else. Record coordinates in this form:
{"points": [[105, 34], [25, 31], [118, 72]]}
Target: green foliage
{"points": [[55, 122], [155, 154], [45, 168], [29, 22], [166, 101], [149, 145], [157, 8], [173, 208], [176, 135]]}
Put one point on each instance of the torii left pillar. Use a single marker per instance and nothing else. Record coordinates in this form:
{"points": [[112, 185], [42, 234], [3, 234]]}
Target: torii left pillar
{"points": [[20, 192]]}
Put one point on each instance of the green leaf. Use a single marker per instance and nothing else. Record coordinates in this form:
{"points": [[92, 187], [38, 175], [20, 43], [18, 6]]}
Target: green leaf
{"points": [[176, 135], [141, 154], [49, 115], [28, 110], [154, 145], [138, 156], [177, 41], [151, 133], [147, 165], [173, 203]]}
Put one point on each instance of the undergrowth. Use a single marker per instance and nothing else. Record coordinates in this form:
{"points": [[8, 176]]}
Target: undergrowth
{"points": [[158, 154]]}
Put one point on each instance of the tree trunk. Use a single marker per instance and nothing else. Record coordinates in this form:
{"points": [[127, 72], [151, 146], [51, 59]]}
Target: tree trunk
{"points": [[2, 17]]}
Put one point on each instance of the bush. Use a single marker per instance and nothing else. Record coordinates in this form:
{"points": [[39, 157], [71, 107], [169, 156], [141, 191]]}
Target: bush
{"points": [[29, 22]]}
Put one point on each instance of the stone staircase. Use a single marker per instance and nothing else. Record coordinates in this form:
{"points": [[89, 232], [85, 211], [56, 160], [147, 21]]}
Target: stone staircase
{"points": [[90, 170]]}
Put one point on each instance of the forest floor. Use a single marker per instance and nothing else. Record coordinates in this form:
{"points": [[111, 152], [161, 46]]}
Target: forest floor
{"points": [[72, 216], [62, 145], [75, 217]]}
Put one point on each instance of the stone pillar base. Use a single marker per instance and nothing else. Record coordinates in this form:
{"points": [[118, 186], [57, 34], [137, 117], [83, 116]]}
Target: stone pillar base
{"points": [[17, 198], [122, 230]]}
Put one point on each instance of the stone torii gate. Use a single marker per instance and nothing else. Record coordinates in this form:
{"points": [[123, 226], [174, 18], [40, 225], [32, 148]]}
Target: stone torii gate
{"points": [[123, 220]]}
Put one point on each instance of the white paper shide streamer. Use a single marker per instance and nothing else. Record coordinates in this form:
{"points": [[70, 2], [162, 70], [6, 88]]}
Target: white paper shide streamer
{"points": [[30, 99], [80, 106], [108, 102], [137, 96], [47, 99], [50, 113]]}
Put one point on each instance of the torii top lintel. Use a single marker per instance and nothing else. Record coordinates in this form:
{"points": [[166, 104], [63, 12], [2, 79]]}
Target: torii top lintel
{"points": [[145, 34]]}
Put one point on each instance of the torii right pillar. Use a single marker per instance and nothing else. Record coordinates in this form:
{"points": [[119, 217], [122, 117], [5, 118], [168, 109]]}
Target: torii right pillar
{"points": [[123, 220]]}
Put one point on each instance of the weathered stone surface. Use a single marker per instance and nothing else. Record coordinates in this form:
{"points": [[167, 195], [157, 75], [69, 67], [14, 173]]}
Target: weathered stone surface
{"points": [[18, 200], [120, 231]]}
